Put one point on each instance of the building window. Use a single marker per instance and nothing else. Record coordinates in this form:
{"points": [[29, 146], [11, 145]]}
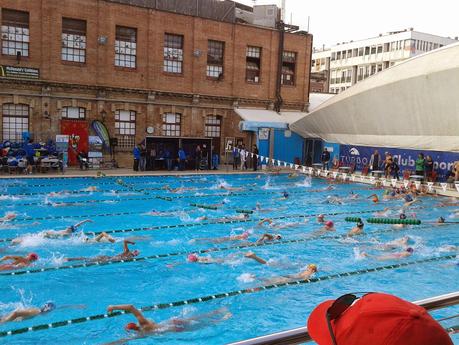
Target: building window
{"points": [[173, 53], [386, 64], [379, 49], [367, 50], [338, 56], [343, 76], [171, 124], [125, 47], [373, 50], [215, 58], [15, 32], [74, 113], [15, 121], [73, 40], [386, 47], [354, 52], [253, 64], [288, 68], [343, 54], [361, 51], [380, 66], [125, 128], [360, 74], [333, 56], [349, 76], [373, 69], [213, 126]]}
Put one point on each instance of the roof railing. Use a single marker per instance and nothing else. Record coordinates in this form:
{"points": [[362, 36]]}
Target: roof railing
{"points": [[300, 335]]}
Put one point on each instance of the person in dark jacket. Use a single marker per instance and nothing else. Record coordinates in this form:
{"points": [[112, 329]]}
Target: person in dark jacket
{"points": [[325, 158]]}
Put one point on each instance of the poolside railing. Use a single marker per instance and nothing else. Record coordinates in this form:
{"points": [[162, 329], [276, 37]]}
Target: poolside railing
{"points": [[300, 335]]}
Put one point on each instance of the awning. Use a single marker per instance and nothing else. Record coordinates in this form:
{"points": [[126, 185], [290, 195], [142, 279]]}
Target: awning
{"points": [[260, 118]]}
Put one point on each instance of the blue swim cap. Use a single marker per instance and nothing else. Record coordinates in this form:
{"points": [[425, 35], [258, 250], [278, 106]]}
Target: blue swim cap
{"points": [[408, 198], [285, 194]]}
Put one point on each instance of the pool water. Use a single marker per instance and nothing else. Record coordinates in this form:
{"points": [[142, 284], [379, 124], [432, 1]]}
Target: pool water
{"points": [[166, 227]]}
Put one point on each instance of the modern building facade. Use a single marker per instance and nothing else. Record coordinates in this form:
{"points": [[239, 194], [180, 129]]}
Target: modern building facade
{"points": [[354, 61], [320, 71], [170, 72]]}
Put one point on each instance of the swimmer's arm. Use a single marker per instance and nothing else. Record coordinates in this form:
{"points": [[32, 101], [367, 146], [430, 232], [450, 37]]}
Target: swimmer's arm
{"points": [[82, 222], [133, 310], [23, 314], [11, 257], [125, 245], [372, 195]]}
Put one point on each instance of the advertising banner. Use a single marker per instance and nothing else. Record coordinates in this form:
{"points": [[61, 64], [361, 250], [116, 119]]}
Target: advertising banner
{"points": [[19, 72], [360, 155]]}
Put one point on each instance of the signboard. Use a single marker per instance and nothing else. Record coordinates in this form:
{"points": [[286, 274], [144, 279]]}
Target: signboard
{"points": [[263, 134], [95, 150], [62, 143], [19, 72], [405, 158], [229, 144]]}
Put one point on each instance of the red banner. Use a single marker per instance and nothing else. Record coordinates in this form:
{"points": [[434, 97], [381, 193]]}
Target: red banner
{"points": [[78, 132]]}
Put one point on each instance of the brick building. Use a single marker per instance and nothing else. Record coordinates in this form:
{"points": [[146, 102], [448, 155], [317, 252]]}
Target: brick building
{"points": [[144, 69]]}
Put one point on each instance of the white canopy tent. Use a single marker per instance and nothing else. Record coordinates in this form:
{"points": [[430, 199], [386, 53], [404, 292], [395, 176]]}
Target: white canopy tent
{"points": [[413, 105]]}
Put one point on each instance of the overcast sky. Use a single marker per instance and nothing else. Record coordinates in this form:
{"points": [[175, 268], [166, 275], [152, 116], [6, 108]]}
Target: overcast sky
{"points": [[334, 21]]}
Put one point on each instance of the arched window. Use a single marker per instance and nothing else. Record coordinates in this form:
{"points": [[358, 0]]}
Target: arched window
{"points": [[15, 121]]}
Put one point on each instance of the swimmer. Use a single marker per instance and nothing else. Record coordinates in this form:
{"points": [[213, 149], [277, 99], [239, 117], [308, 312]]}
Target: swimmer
{"points": [[177, 190], [64, 233], [242, 237], [303, 275], [409, 200], [275, 225], [127, 254], [268, 238], [160, 213], [328, 226], [334, 200], [258, 208], [401, 242], [384, 213], [393, 256], [357, 230], [284, 196], [402, 216], [231, 189], [353, 196], [9, 216], [18, 261], [204, 259], [321, 218], [146, 326], [103, 237], [292, 175], [374, 198], [21, 314], [90, 189], [241, 216]]}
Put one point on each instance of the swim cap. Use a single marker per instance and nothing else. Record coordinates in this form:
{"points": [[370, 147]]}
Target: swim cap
{"points": [[277, 237], [285, 194], [408, 198], [313, 267], [32, 257], [131, 326], [135, 252], [321, 216], [402, 216], [409, 250], [245, 235], [441, 220], [329, 224], [360, 224], [192, 258], [72, 228], [48, 306]]}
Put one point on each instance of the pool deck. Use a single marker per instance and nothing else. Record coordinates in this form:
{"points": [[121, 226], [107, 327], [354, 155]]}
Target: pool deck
{"points": [[225, 170]]}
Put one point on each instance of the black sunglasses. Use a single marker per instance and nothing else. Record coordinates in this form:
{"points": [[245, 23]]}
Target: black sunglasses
{"points": [[338, 307]]}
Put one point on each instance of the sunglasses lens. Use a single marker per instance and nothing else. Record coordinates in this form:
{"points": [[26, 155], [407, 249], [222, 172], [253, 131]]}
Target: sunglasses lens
{"points": [[340, 305]]}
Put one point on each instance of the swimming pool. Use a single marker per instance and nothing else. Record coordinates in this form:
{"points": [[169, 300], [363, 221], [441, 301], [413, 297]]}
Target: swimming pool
{"points": [[165, 223]]}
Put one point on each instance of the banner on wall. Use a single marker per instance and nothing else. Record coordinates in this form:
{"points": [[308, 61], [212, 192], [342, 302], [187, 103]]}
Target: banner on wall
{"points": [[360, 155], [78, 133]]}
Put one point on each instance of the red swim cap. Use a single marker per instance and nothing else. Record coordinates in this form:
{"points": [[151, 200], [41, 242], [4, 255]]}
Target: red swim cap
{"points": [[131, 326], [32, 257], [192, 258], [329, 224]]}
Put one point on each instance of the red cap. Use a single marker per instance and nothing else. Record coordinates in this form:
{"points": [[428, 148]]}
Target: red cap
{"points": [[131, 326], [378, 319], [329, 224], [32, 257]]}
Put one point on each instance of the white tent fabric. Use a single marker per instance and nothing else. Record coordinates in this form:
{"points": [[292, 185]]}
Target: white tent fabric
{"points": [[412, 105]]}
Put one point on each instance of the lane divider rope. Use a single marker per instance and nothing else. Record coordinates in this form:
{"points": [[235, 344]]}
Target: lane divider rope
{"points": [[224, 295]]}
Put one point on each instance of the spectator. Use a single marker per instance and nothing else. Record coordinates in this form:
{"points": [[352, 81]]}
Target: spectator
{"points": [[236, 157], [151, 164], [198, 157], [83, 160], [30, 153], [325, 159], [388, 164], [255, 157], [215, 159], [450, 174], [308, 162], [420, 165], [243, 154], [136, 154], [168, 158], [143, 158], [395, 169], [456, 171], [374, 161], [376, 319], [182, 159], [429, 165]]}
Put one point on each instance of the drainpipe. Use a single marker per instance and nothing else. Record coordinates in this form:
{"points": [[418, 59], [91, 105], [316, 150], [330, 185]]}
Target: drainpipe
{"points": [[279, 101]]}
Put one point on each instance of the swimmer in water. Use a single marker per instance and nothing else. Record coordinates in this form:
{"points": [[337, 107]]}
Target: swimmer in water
{"points": [[21, 314], [285, 196], [374, 198], [64, 233], [409, 200], [353, 196], [177, 190], [384, 213], [145, 326], [17, 261], [398, 243], [393, 256], [328, 227], [244, 236], [127, 254], [321, 218], [103, 237], [9, 216], [230, 189], [402, 216], [333, 200], [90, 189], [269, 238], [274, 225], [357, 230], [303, 275]]}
